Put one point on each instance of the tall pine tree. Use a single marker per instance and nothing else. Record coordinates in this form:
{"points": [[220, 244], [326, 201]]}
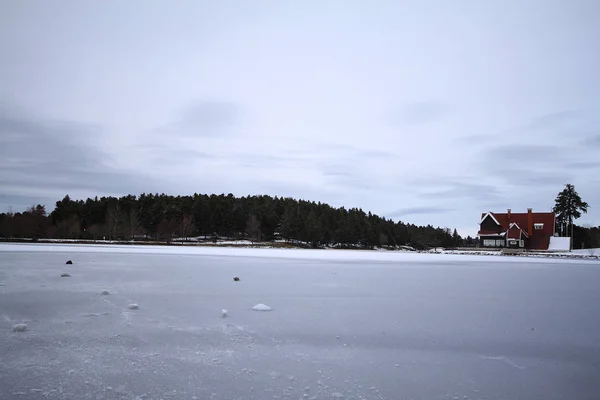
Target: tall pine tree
{"points": [[568, 207]]}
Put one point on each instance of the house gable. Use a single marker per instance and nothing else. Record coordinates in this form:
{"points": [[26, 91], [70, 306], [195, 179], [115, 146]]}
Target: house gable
{"points": [[489, 223], [489, 215]]}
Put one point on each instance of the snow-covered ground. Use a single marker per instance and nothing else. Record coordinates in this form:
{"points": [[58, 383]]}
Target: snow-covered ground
{"points": [[342, 324]]}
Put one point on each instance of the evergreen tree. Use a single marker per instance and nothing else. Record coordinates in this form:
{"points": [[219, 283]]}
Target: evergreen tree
{"points": [[455, 238], [568, 207], [163, 217]]}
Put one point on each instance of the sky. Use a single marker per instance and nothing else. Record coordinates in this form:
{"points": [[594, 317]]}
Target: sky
{"points": [[425, 111]]}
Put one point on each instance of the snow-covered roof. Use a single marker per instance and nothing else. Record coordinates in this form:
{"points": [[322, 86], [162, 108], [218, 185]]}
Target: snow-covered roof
{"points": [[489, 214]]}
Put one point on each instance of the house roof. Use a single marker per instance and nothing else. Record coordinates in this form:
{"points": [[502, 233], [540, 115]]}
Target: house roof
{"points": [[521, 219]]}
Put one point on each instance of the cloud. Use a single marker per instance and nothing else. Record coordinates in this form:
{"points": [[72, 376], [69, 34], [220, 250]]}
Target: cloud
{"points": [[416, 211], [521, 154], [553, 120], [42, 158], [582, 165], [593, 141], [420, 113], [450, 189], [527, 164], [555, 124], [172, 154], [523, 177], [209, 118]]}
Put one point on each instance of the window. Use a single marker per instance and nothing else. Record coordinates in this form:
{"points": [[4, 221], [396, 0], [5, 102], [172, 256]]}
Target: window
{"points": [[493, 242], [538, 227], [489, 242]]}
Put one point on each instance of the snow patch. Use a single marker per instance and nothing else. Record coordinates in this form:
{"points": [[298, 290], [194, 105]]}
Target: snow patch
{"points": [[224, 313], [133, 306], [19, 328], [261, 307], [559, 243]]}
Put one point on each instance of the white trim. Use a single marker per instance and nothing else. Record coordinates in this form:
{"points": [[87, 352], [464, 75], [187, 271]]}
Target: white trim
{"points": [[522, 232], [491, 234], [489, 214], [514, 224]]}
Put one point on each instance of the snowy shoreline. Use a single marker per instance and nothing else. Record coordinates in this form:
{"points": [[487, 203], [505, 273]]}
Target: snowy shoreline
{"points": [[286, 252]]}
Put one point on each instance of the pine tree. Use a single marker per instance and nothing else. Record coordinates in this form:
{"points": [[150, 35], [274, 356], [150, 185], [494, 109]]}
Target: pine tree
{"points": [[455, 238], [568, 207]]}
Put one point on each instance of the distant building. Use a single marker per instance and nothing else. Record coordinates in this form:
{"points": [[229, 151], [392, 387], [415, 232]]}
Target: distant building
{"points": [[530, 230]]}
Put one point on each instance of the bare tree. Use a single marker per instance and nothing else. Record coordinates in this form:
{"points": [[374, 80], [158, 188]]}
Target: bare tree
{"points": [[96, 230], [187, 223], [134, 223], [113, 220], [253, 228]]}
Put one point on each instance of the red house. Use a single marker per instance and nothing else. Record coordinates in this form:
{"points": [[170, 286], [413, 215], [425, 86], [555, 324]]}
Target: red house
{"points": [[517, 230]]}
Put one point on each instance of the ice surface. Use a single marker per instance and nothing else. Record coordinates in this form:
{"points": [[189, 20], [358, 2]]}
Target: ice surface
{"points": [[386, 326], [261, 307]]}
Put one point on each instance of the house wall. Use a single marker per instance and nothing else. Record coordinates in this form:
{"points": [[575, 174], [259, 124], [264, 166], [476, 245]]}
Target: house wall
{"points": [[540, 238], [539, 241]]}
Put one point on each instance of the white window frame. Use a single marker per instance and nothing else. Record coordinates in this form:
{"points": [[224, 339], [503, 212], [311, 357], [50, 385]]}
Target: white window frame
{"points": [[538, 226]]}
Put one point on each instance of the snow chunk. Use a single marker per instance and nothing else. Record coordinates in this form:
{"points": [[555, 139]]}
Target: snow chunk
{"points": [[104, 292], [223, 313], [19, 328], [133, 306], [261, 307]]}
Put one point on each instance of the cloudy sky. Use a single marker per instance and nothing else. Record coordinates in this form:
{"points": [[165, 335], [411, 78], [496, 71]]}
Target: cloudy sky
{"points": [[427, 111]]}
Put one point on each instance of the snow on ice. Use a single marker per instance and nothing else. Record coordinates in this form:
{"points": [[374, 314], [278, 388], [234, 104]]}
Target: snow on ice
{"points": [[261, 307], [19, 328]]}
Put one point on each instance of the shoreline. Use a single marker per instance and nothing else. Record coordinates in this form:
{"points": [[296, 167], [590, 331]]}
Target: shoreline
{"points": [[242, 244]]}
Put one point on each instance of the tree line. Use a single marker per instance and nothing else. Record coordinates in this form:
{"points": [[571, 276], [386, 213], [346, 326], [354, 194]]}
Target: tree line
{"points": [[259, 218]]}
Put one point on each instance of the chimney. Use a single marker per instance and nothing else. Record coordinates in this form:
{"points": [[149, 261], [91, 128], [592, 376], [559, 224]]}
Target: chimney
{"points": [[508, 212], [529, 221]]}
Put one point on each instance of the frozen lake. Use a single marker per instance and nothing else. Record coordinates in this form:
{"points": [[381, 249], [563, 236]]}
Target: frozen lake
{"points": [[344, 324]]}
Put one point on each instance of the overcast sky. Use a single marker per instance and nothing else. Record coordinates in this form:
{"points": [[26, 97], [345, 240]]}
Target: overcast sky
{"points": [[425, 111]]}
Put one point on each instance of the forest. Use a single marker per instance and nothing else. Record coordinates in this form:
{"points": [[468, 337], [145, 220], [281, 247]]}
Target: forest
{"points": [[161, 217]]}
